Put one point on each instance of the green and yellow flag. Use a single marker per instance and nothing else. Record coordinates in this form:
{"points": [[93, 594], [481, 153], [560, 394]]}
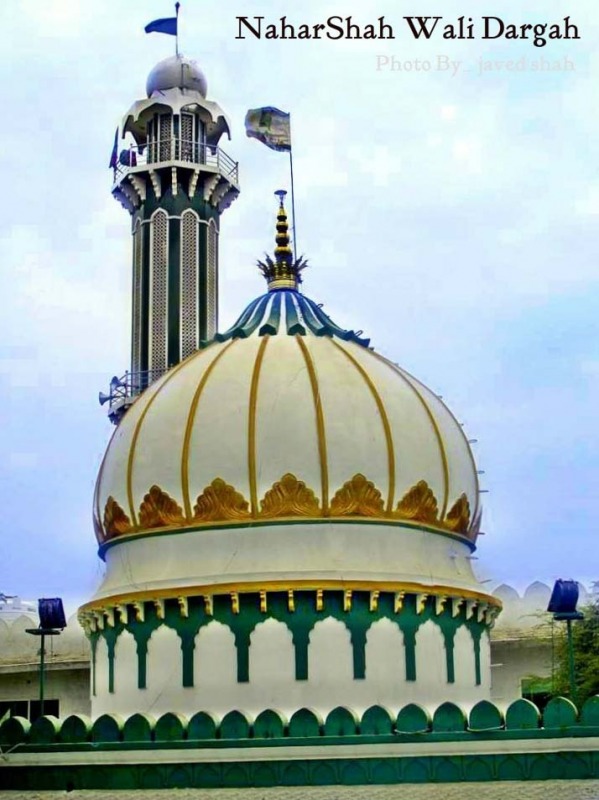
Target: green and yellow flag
{"points": [[270, 126]]}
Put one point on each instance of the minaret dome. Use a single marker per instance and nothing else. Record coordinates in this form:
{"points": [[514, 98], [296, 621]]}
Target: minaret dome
{"points": [[177, 72]]}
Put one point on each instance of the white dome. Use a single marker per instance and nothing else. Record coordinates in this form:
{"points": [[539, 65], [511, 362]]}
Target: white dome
{"points": [[176, 72], [277, 426], [288, 471]]}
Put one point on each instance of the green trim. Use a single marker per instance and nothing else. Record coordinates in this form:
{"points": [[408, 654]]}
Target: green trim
{"points": [[141, 643], [413, 723], [301, 642], [202, 280], [476, 636], [409, 643], [188, 645], [449, 632], [93, 641], [301, 314], [144, 349], [110, 637], [243, 621], [504, 766], [358, 641], [266, 523]]}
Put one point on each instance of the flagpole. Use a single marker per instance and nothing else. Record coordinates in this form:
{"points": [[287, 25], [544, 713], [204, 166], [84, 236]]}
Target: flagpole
{"points": [[292, 196], [177, 6]]}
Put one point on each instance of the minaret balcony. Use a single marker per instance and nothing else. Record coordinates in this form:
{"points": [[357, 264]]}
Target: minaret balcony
{"points": [[154, 158], [123, 391]]}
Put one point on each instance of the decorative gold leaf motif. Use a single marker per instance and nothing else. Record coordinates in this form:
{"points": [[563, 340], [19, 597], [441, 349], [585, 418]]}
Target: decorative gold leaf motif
{"points": [[158, 510], [220, 501], [458, 516], [418, 503], [290, 498], [115, 520], [358, 497]]}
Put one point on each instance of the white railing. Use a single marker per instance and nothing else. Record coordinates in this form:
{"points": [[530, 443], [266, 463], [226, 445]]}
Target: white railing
{"points": [[175, 148]]}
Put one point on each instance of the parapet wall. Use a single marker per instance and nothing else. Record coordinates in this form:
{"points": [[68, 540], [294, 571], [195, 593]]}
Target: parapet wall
{"points": [[236, 751], [525, 615]]}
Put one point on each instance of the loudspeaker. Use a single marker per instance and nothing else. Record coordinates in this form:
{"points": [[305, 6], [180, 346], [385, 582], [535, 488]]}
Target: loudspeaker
{"points": [[51, 613], [563, 597]]}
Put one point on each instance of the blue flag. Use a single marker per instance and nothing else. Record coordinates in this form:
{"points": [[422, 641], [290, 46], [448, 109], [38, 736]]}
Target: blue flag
{"points": [[115, 147], [165, 25]]}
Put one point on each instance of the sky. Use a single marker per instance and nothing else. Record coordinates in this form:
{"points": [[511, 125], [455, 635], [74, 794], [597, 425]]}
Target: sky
{"points": [[452, 217]]}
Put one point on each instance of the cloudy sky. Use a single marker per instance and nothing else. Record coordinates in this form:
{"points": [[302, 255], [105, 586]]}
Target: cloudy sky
{"points": [[453, 218]]}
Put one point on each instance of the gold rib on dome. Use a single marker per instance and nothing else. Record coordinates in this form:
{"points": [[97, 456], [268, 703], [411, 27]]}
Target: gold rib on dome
{"points": [[284, 272]]}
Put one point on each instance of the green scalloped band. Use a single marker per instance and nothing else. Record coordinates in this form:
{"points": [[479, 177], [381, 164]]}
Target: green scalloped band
{"points": [[286, 311]]}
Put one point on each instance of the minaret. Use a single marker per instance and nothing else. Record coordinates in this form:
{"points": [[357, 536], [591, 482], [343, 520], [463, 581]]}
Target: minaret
{"points": [[174, 179]]}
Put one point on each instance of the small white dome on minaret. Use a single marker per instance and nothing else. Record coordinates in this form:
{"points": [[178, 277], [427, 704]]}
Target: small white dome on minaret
{"points": [[176, 72]]}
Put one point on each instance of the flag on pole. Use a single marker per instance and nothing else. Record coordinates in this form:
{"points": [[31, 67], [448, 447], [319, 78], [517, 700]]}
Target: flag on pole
{"points": [[164, 25], [270, 126], [115, 147]]}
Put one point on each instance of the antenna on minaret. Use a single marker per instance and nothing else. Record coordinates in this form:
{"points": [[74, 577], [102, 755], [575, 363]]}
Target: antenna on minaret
{"points": [[177, 7]]}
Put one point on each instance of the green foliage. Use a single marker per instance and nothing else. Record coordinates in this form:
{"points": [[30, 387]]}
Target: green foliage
{"points": [[585, 636]]}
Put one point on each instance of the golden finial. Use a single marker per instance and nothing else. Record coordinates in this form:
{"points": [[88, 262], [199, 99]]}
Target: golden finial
{"points": [[284, 271]]}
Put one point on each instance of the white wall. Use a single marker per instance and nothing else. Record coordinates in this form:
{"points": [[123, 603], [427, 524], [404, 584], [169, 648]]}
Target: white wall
{"points": [[272, 681]]}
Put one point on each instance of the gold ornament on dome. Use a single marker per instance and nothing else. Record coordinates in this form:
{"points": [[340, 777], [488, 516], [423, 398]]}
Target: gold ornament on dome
{"points": [[159, 510], [458, 516], [418, 503], [220, 502], [290, 497], [116, 521], [358, 497]]}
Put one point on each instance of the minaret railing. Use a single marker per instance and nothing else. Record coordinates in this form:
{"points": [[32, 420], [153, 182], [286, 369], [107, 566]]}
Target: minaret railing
{"points": [[122, 391], [176, 149]]}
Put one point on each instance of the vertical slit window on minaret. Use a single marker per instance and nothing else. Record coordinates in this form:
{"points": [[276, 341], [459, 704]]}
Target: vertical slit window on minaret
{"points": [[189, 284], [159, 277]]}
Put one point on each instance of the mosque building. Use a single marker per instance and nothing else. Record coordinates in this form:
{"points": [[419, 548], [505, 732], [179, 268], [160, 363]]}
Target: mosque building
{"points": [[286, 516], [287, 520]]}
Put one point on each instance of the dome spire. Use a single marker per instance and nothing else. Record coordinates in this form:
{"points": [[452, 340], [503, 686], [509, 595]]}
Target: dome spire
{"points": [[284, 272]]}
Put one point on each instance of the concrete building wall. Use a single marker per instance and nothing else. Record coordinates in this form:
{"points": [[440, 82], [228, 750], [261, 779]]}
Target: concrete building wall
{"points": [[514, 660], [69, 686]]}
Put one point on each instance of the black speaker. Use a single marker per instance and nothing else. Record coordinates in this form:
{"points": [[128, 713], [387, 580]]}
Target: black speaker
{"points": [[51, 613]]}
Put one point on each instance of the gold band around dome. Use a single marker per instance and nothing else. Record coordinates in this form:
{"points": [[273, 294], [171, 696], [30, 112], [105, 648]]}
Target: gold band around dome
{"points": [[384, 420], [322, 439], [287, 499], [254, 587], [189, 428]]}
